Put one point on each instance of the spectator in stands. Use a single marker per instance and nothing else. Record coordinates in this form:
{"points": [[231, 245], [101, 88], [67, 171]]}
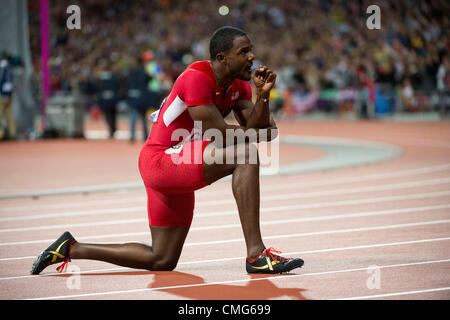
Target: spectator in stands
{"points": [[411, 42], [108, 94], [6, 92], [443, 84], [139, 97], [407, 95]]}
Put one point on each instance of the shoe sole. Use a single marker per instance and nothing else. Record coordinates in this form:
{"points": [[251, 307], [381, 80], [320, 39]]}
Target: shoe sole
{"points": [[36, 264]]}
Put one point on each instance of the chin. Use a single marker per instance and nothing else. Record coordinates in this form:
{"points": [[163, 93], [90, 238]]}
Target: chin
{"points": [[245, 77]]}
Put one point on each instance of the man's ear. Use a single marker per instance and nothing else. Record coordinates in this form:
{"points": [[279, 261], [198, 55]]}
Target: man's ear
{"points": [[220, 57]]}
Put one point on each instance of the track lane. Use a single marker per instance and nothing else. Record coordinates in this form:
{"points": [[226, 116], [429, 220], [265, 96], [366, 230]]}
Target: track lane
{"points": [[332, 245]]}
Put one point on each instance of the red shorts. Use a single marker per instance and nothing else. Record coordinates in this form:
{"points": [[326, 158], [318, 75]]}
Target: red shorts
{"points": [[171, 175]]}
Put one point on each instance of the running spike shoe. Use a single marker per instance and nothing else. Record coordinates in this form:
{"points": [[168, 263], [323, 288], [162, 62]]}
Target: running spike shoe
{"points": [[268, 262], [59, 251]]}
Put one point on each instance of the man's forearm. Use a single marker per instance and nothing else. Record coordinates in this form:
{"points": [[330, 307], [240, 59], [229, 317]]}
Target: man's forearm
{"points": [[260, 114]]}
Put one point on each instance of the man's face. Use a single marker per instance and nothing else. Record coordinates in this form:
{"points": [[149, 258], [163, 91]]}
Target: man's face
{"points": [[240, 58]]}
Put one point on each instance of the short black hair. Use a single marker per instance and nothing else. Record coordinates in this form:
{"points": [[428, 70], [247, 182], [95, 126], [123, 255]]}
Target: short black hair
{"points": [[222, 40]]}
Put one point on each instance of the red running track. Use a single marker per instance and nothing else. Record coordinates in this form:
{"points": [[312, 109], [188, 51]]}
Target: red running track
{"points": [[378, 231]]}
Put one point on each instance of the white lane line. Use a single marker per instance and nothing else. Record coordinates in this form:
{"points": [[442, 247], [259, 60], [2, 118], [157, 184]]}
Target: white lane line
{"points": [[293, 253], [75, 225], [286, 253], [393, 226], [394, 294], [368, 246], [228, 226], [114, 199], [17, 258], [269, 187], [276, 277], [341, 191], [320, 233], [332, 217], [362, 178], [414, 141], [384, 187], [323, 204], [264, 198], [76, 213]]}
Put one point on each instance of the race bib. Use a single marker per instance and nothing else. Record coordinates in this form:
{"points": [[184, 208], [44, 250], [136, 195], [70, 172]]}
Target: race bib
{"points": [[175, 149]]}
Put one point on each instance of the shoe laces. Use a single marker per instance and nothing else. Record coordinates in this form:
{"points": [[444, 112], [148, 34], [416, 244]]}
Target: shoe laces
{"points": [[63, 266], [274, 256]]}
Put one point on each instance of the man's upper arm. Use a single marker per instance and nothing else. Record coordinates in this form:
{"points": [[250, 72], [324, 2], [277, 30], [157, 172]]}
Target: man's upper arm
{"points": [[196, 89]]}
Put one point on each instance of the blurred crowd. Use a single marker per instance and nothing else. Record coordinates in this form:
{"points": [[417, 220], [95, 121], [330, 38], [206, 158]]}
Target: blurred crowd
{"points": [[324, 54]]}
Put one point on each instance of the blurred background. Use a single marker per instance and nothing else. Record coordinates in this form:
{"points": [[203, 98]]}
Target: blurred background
{"points": [[105, 78]]}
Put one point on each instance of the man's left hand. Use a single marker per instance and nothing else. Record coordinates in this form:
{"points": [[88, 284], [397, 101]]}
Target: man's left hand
{"points": [[264, 79]]}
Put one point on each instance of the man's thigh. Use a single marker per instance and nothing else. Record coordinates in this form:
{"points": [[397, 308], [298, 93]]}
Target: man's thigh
{"points": [[168, 210], [171, 175]]}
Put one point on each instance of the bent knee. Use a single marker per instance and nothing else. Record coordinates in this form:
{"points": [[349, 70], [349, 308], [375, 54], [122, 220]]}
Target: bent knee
{"points": [[164, 265]]}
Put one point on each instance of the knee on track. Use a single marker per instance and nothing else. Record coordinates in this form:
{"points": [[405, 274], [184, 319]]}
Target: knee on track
{"points": [[164, 265]]}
